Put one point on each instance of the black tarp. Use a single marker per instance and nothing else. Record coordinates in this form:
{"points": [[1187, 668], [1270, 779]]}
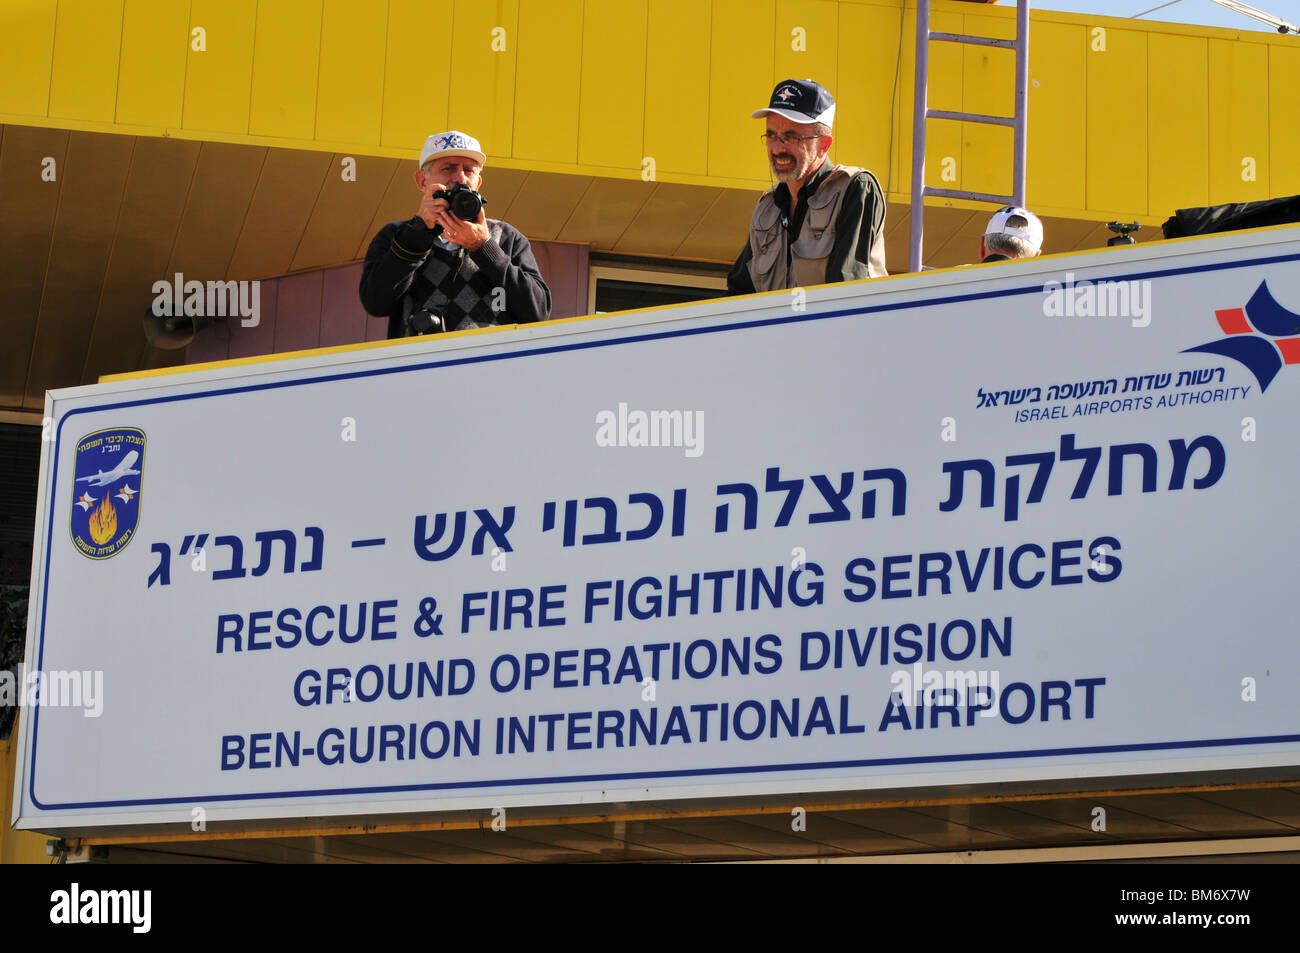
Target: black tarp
{"points": [[1231, 218]]}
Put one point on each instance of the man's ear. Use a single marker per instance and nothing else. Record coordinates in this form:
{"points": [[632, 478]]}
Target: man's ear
{"points": [[826, 143], [420, 182]]}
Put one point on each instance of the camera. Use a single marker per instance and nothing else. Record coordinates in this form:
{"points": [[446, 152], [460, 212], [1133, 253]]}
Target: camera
{"points": [[425, 321], [462, 201]]}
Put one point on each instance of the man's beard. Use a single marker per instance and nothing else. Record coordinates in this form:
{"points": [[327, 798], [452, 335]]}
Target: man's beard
{"points": [[795, 173]]}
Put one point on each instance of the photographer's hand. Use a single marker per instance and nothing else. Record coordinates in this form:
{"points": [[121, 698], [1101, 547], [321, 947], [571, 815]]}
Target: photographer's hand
{"points": [[468, 235], [431, 207]]}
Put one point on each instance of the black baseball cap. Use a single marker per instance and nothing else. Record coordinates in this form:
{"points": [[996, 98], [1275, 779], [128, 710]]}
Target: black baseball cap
{"points": [[802, 101]]}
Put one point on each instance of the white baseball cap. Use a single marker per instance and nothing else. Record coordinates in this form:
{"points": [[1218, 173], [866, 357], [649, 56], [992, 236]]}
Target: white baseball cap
{"points": [[1016, 222], [452, 143]]}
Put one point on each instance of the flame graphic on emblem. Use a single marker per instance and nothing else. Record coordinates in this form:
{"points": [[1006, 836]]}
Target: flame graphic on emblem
{"points": [[103, 521]]}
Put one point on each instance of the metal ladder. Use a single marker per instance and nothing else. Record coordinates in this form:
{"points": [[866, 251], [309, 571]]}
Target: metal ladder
{"points": [[921, 112]]}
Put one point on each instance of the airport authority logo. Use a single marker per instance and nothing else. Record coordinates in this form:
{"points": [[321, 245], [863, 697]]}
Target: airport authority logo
{"points": [[1276, 343], [108, 479]]}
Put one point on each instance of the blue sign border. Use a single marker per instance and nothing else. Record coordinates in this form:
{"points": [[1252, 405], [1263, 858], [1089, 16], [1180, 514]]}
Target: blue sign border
{"points": [[635, 775]]}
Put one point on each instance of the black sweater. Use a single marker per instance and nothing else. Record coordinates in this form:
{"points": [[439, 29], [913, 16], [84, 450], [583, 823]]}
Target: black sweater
{"points": [[406, 258]]}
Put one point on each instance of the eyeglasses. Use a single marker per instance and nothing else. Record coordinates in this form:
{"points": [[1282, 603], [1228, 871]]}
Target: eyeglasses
{"points": [[787, 139]]}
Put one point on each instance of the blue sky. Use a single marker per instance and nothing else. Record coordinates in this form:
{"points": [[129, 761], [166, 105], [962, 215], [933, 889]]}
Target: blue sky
{"points": [[1202, 12]]}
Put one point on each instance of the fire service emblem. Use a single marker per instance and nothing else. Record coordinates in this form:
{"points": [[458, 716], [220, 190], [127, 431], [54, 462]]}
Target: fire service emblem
{"points": [[108, 470]]}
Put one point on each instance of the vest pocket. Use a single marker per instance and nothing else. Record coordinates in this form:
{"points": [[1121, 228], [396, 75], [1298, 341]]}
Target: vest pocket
{"points": [[817, 237], [767, 246]]}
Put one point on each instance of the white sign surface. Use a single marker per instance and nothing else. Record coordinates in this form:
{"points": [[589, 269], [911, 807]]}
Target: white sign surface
{"points": [[1012, 522]]}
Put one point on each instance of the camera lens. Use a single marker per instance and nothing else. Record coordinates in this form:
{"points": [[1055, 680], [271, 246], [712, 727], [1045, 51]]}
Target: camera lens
{"points": [[465, 203]]}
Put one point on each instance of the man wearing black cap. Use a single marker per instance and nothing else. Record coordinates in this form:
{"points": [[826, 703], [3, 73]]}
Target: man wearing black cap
{"points": [[821, 222]]}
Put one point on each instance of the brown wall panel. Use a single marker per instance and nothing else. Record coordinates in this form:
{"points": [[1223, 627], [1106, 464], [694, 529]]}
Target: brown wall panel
{"points": [[298, 312], [665, 221], [282, 204], [564, 268], [211, 344], [343, 209], [724, 228], [376, 328], [401, 199], [27, 209], [545, 202], [94, 177], [500, 188], [342, 319], [215, 209], [605, 211], [260, 339], [152, 203]]}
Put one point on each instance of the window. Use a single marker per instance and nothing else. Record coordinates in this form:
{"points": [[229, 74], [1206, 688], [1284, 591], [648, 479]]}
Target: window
{"points": [[625, 287]]}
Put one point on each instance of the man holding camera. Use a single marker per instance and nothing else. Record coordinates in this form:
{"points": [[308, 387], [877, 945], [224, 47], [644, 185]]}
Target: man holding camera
{"points": [[820, 223], [450, 267]]}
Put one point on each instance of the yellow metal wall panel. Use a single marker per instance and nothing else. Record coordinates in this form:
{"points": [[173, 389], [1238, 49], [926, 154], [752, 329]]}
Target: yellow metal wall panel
{"points": [[83, 76], [350, 90], [218, 80], [944, 165], [740, 81], [1117, 122], [806, 43], [989, 88], [1057, 111], [676, 108], [484, 52], [1239, 168], [1178, 173], [865, 89], [611, 124], [417, 68], [1283, 130], [286, 55], [26, 50], [151, 79], [549, 78]]}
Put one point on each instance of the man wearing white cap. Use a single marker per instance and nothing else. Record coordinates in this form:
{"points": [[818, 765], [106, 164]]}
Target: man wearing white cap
{"points": [[441, 272], [821, 222], [1013, 232]]}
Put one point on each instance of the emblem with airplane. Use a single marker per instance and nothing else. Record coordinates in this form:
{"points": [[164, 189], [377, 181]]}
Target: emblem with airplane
{"points": [[102, 524]]}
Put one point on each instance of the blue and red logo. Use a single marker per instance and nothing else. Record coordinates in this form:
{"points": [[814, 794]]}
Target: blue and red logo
{"points": [[1276, 343], [108, 472]]}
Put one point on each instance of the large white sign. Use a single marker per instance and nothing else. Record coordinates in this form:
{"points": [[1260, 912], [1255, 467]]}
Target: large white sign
{"points": [[1012, 522]]}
